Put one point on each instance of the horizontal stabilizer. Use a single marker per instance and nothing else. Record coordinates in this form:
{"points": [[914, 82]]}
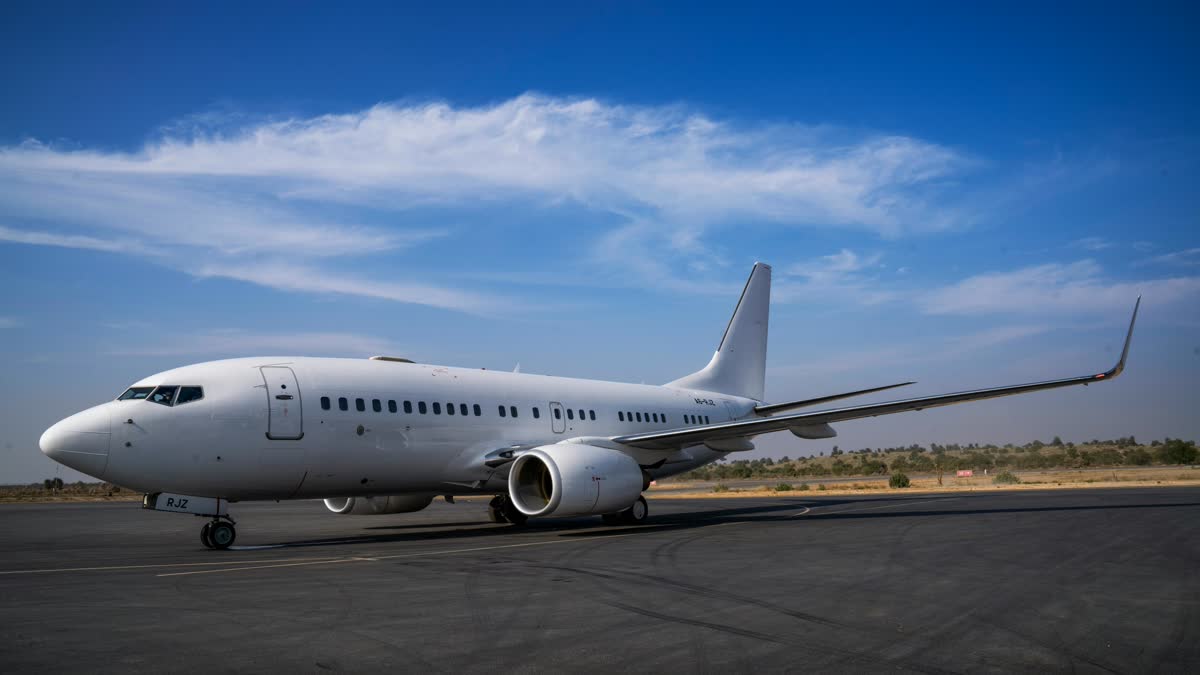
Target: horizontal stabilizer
{"points": [[772, 408]]}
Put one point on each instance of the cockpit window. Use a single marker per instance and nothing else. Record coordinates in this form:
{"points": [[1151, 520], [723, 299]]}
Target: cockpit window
{"points": [[188, 394], [135, 393], [164, 395]]}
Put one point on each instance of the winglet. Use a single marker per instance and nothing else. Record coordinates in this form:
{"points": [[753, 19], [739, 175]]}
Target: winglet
{"points": [[1117, 369]]}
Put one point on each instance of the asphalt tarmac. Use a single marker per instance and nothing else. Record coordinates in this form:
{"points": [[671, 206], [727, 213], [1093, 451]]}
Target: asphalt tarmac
{"points": [[1072, 580]]}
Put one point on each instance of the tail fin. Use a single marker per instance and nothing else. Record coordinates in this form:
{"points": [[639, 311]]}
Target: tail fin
{"points": [[739, 367]]}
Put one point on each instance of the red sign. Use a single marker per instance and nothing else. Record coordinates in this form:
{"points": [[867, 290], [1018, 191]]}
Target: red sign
{"points": [[965, 473]]}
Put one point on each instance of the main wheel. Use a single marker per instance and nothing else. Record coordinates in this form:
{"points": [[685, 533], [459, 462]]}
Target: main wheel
{"points": [[496, 510], [204, 533], [636, 514], [221, 534], [512, 514]]}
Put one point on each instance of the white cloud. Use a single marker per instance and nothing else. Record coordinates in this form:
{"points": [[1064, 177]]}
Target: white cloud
{"points": [[1092, 243], [236, 342], [219, 190], [1185, 258], [10, 322], [842, 276], [1055, 287]]}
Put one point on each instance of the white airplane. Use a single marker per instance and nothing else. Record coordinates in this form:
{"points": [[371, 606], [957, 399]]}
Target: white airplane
{"points": [[386, 435]]}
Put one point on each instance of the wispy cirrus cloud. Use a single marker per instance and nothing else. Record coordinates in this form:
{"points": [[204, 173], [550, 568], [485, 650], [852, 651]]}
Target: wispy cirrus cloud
{"points": [[10, 322], [842, 276], [1056, 287], [216, 192], [240, 343]]}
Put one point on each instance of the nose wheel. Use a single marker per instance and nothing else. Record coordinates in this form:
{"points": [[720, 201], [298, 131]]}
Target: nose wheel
{"points": [[218, 534]]}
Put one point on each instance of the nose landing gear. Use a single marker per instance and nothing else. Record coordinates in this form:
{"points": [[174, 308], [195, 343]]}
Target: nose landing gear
{"points": [[218, 534]]}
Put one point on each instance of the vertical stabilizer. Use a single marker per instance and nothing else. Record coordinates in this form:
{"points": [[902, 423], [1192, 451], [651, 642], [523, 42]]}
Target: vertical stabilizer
{"points": [[740, 364]]}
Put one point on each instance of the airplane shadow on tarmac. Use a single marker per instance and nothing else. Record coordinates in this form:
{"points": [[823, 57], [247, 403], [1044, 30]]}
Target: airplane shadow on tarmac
{"points": [[472, 531]]}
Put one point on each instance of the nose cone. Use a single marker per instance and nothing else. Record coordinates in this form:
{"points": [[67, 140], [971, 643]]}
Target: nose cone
{"points": [[80, 441]]}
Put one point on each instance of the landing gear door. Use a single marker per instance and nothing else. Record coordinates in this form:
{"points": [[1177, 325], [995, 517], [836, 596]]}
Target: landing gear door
{"points": [[558, 421], [285, 419]]}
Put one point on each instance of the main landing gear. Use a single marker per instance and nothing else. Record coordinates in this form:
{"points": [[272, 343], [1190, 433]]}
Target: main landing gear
{"points": [[634, 515], [218, 533], [502, 510]]}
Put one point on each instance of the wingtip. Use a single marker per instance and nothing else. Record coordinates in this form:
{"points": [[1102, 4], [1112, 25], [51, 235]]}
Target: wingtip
{"points": [[1120, 367]]}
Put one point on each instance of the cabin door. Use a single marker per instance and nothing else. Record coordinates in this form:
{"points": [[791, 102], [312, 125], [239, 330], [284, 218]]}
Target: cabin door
{"points": [[558, 422], [285, 420]]}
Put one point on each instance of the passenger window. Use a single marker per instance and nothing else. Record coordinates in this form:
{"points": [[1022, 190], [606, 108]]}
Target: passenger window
{"points": [[391, 406], [536, 414], [449, 408], [581, 415], [376, 405], [639, 417], [462, 409], [408, 407], [706, 419], [655, 417], [163, 395], [343, 404], [592, 415], [478, 410], [621, 415], [437, 408], [513, 409], [189, 394], [360, 405], [502, 411], [135, 393], [557, 414], [570, 414], [421, 407], [324, 403]]}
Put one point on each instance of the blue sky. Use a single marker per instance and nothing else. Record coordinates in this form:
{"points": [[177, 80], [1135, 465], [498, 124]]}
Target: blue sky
{"points": [[961, 195]]}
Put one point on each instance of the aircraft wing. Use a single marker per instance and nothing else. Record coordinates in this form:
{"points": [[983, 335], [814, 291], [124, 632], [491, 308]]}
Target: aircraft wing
{"points": [[772, 408], [659, 440]]}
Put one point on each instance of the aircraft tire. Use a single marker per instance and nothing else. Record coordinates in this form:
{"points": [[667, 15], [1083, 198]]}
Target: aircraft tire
{"points": [[513, 515], [496, 510], [221, 534], [636, 514], [204, 535]]}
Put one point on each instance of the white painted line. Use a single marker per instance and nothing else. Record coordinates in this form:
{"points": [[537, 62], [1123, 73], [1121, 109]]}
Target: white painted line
{"points": [[423, 554], [806, 510], [109, 568], [892, 506]]}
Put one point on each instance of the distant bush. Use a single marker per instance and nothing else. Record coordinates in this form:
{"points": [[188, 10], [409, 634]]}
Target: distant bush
{"points": [[1006, 478], [899, 480], [783, 487], [803, 487], [720, 487], [820, 486]]}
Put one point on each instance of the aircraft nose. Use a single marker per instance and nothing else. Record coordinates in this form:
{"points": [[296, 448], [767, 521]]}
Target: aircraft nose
{"points": [[80, 441]]}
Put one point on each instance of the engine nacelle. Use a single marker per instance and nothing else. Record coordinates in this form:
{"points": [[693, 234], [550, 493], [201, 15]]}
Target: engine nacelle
{"points": [[573, 479], [377, 506]]}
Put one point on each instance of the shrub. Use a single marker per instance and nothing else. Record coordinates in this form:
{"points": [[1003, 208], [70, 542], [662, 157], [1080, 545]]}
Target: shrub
{"points": [[803, 487], [899, 480], [783, 487], [720, 487], [1006, 478], [820, 486]]}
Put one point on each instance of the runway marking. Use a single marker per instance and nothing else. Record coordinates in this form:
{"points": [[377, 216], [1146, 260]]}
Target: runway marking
{"points": [[422, 554], [108, 568], [886, 506]]}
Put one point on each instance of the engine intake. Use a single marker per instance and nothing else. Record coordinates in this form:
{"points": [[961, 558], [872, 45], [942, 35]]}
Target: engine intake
{"points": [[573, 479], [378, 506]]}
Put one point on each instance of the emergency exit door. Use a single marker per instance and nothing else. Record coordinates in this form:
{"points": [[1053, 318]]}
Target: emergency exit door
{"points": [[285, 419]]}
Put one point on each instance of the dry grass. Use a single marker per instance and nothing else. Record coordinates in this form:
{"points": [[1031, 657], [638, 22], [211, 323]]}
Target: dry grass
{"points": [[1030, 480]]}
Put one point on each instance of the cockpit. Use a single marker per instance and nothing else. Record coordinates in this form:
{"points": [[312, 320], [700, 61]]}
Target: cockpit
{"points": [[167, 394]]}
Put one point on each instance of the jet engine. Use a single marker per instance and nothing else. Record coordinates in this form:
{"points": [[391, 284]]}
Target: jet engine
{"points": [[573, 479], [377, 506]]}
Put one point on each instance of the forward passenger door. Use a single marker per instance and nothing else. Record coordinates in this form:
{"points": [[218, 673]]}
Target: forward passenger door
{"points": [[558, 421]]}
